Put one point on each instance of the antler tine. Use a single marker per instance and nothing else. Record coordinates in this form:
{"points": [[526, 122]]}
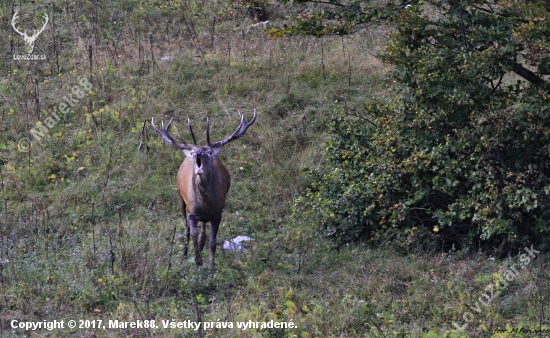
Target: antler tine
{"points": [[43, 27], [169, 139], [208, 131], [14, 23], [236, 130], [191, 130], [162, 124], [170, 124], [241, 129], [247, 124]]}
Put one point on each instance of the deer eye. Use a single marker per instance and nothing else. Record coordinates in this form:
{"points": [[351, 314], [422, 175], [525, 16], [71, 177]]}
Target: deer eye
{"points": [[209, 152]]}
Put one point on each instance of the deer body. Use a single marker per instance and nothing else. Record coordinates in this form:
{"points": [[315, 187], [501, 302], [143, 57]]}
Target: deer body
{"points": [[202, 199], [204, 194], [202, 183]]}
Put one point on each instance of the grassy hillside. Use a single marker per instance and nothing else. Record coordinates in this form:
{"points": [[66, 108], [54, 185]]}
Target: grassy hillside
{"points": [[90, 227]]}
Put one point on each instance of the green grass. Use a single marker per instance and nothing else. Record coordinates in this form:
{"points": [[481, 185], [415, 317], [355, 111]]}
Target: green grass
{"points": [[87, 219]]}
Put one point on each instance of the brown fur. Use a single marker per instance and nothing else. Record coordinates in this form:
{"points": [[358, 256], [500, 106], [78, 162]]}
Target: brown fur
{"points": [[202, 200], [203, 183]]}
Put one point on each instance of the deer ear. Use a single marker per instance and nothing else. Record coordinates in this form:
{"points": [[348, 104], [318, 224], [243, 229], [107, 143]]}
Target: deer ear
{"points": [[187, 152], [216, 151]]}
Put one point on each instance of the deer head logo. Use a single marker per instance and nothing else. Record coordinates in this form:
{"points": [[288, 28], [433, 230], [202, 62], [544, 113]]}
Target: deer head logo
{"points": [[29, 40]]}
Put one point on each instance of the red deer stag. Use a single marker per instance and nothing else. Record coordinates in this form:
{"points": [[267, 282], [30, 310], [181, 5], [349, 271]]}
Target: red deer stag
{"points": [[203, 183]]}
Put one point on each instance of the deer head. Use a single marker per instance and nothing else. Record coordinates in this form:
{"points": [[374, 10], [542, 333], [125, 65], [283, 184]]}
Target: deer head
{"points": [[202, 157]]}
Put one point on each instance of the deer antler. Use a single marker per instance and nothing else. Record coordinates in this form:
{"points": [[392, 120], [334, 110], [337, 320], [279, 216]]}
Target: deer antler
{"points": [[169, 139], [241, 129], [24, 34], [29, 40], [43, 27], [14, 23]]}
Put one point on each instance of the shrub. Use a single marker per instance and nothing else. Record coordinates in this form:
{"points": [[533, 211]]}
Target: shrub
{"points": [[461, 152]]}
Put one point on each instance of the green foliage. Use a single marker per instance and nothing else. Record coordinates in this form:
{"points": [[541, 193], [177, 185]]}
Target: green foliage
{"points": [[337, 198], [337, 18], [463, 152]]}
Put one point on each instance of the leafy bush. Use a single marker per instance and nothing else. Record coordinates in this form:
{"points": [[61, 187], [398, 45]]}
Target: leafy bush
{"points": [[461, 153]]}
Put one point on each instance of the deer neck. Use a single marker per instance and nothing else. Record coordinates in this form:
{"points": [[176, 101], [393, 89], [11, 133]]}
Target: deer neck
{"points": [[203, 184]]}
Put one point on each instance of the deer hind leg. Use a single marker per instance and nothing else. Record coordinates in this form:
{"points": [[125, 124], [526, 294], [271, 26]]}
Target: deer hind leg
{"points": [[192, 224], [213, 233], [186, 233], [202, 236]]}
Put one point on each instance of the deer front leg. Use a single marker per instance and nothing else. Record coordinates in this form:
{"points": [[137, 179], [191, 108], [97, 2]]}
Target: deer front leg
{"points": [[214, 232], [186, 233], [202, 236], [192, 224], [186, 238]]}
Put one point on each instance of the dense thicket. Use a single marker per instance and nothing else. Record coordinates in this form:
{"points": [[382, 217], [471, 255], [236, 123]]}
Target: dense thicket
{"points": [[461, 153]]}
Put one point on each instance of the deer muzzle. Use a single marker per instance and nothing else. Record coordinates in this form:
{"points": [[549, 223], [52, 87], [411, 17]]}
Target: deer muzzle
{"points": [[199, 170]]}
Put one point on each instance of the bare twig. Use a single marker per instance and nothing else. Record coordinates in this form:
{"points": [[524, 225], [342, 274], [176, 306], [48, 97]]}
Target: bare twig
{"points": [[108, 168], [197, 312]]}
